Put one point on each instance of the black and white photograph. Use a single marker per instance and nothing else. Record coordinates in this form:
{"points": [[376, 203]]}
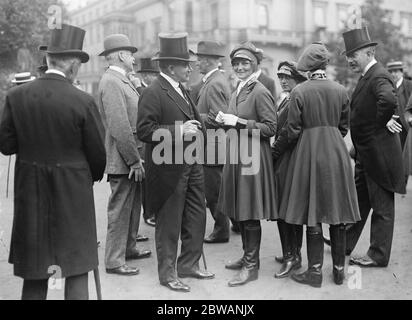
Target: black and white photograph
{"points": [[205, 155]]}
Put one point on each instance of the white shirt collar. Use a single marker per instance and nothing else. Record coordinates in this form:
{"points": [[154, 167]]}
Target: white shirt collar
{"points": [[120, 70], [60, 73], [243, 83], [370, 65], [399, 83], [173, 82], [144, 83], [207, 75], [258, 73]]}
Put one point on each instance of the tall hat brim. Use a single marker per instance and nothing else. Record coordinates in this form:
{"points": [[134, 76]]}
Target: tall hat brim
{"points": [[83, 56], [365, 45], [126, 48], [148, 71]]}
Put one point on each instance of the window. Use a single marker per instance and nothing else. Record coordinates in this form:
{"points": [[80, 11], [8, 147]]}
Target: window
{"points": [[319, 13], [343, 16], [189, 16], [263, 16], [156, 27], [214, 13]]}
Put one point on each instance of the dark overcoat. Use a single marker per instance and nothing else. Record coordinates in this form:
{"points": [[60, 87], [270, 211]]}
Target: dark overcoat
{"points": [[269, 83], [403, 93], [161, 107], [57, 134], [213, 97], [373, 105]]}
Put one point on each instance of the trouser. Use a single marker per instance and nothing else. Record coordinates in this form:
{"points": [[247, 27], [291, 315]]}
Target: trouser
{"points": [[123, 219], [382, 202], [75, 288], [213, 179], [184, 215], [146, 214]]}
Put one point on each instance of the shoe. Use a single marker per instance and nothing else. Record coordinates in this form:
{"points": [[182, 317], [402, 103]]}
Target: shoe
{"points": [[141, 238], [177, 285], [151, 222], [124, 270], [364, 261], [338, 275], [311, 277], [338, 249], [198, 274], [244, 276], [213, 239], [279, 259], [287, 267], [139, 255], [237, 265]]}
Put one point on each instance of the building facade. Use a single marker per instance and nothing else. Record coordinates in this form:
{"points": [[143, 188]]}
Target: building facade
{"points": [[280, 27]]}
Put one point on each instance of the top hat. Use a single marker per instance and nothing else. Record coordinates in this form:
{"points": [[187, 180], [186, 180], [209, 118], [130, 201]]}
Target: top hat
{"points": [[210, 48], [249, 46], [67, 40], [117, 42], [394, 65], [149, 66], [173, 47], [23, 77], [357, 39]]}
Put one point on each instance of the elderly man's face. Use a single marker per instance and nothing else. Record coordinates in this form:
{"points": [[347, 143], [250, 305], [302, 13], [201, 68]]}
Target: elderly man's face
{"points": [[359, 60], [396, 75], [128, 60], [182, 71]]}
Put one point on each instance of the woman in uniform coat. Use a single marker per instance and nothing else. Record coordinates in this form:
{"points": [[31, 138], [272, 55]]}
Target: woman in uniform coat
{"points": [[247, 193], [319, 186], [290, 235]]}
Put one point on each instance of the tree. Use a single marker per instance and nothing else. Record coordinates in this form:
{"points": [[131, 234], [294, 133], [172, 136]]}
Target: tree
{"points": [[23, 27], [381, 30]]}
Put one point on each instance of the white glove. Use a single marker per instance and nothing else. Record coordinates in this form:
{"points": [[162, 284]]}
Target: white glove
{"points": [[230, 120], [219, 117]]}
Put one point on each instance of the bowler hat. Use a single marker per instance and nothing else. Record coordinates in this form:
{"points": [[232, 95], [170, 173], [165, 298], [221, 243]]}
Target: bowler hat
{"points": [[149, 66], [117, 42], [249, 46], [357, 39], [67, 40], [210, 48], [173, 46], [23, 77], [394, 65]]}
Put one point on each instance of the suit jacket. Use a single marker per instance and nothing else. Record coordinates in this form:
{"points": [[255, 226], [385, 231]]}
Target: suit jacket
{"points": [[269, 83], [118, 102], [373, 104], [162, 107], [213, 97], [57, 134], [404, 93]]}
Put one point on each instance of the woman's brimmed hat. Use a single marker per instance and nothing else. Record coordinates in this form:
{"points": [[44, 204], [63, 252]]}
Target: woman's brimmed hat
{"points": [[173, 46], [23, 77], [290, 69], [315, 56], [244, 49]]}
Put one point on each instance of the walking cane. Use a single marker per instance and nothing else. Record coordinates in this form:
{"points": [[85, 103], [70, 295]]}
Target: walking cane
{"points": [[98, 285], [8, 178]]}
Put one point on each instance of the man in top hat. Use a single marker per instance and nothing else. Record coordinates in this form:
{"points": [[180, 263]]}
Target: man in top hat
{"points": [[379, 169], [58, 136], [403, 91], [175, 187], [118, 101], [213, 97]]}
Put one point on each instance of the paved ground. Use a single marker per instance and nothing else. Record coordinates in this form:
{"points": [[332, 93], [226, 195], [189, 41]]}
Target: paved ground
{"points": [[394, 282]]}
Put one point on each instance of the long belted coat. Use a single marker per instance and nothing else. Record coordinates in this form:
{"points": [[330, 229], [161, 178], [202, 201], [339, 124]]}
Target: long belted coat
{"points": [[57, 134], [378, 149], [161, 107]]}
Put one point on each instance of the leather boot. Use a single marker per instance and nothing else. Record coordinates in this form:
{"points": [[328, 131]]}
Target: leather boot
{"points": [[299, 238], [338, 243], [289, 247], [238, 264], [250, 268], [315, 247]]}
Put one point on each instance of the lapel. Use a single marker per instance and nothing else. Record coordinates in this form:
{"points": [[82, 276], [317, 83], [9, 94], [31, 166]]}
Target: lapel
{"points": [[208, 81], [363, 81], [400, 91], [175, 96], [124, 79]]}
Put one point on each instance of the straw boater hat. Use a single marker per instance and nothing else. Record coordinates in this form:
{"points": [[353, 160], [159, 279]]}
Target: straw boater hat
{"points": [[173, 46], [394, 65], [67, 41], [117, 42], [20, 78], [357, 39]]}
